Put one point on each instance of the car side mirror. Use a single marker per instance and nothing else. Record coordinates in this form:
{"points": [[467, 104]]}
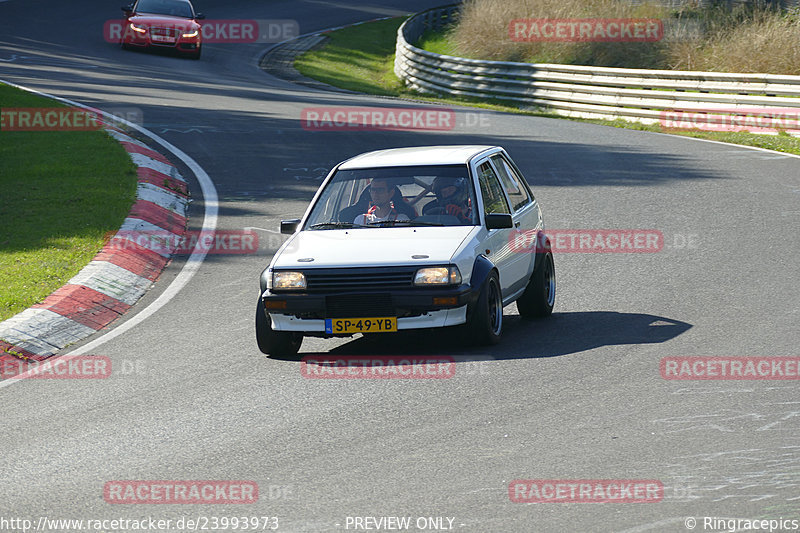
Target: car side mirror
{"points": [[128, 8], [199, 16], [499, 221], [288, 227]]}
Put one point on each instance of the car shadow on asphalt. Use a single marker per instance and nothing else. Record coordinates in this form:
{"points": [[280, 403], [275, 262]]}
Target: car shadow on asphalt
{"points": [[559, 335], [568, 333]]}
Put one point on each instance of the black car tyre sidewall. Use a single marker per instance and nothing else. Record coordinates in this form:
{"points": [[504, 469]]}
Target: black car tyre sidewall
{"points": [[271, 342], [485, 324], [539, 297]]}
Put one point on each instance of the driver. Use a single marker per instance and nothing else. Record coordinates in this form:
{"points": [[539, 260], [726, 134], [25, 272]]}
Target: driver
{"points": [[452, 198], [383, 208]]}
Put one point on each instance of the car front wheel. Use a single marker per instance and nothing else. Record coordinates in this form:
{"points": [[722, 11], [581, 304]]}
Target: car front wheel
{"points": [[485, 323], [271, 342], [540, 295]]}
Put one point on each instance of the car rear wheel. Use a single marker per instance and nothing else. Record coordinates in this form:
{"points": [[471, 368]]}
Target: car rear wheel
{"points": [[485, 324], [271, 342], [540, 295]]}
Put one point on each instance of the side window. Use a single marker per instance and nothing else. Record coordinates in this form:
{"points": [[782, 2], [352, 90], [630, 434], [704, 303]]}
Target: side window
{"points": [[517, 192], [521, 180], [494, 201]]}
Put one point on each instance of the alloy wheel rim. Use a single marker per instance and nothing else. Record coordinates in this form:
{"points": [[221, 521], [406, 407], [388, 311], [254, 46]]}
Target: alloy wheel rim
{"points": [[550, 281], [495, 308]]}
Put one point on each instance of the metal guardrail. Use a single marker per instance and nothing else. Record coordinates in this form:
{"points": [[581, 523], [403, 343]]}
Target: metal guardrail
{"points": [[593, 92]]}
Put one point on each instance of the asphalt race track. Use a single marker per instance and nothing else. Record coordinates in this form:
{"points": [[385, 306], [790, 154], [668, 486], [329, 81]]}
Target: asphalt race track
{"points": [[576, 397]]}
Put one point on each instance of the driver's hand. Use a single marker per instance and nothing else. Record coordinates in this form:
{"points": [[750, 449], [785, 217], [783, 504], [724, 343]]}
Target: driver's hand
{"points": [[454, 210]]}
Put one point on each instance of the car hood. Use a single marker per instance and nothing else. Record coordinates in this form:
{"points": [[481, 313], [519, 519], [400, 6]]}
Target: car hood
{"points": [[166, 21], [372, 247]]}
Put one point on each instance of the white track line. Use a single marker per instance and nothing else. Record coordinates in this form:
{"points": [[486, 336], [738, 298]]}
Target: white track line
{"points": [[194, 261], [757, 148]]}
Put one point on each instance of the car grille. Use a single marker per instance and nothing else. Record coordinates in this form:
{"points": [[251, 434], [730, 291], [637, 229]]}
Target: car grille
{"points": [[358, 279], [359, 305], [169, 32]]}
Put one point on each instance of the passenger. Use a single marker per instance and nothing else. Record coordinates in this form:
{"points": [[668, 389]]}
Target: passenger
{"points": [[452, 198], [383, 208]]}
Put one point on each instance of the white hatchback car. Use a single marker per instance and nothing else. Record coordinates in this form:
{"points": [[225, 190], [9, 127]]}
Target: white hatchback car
{"points": [[409, 238]]}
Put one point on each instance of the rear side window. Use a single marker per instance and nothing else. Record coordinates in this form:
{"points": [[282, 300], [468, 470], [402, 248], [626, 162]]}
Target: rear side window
{"points": [[494, 201], [517, 192]]}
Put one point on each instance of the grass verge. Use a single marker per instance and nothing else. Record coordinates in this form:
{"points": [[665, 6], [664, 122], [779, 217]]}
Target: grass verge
{"points": [[60, 193], [361, 58], [717, 36]]}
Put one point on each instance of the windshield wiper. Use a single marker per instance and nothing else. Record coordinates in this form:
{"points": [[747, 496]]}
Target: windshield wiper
{"points": [[405, 222], [335, 225]]}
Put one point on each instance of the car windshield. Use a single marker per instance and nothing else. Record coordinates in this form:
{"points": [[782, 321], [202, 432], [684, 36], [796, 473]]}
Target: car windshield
{"points": [[433, 195], [176, 8]]}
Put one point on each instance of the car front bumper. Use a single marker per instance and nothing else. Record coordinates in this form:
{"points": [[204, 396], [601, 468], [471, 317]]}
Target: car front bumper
{"points": [[432, 319], [181, 44], [413, 308]]}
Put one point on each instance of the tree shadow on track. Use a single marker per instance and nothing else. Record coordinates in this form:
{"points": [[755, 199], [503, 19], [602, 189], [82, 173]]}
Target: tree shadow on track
{"points": [[562, 334]]}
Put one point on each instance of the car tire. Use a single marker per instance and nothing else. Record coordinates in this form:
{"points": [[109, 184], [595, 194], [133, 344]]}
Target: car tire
{"points": [[539, 297], [196, 55], [485, 323], [271, 342]]}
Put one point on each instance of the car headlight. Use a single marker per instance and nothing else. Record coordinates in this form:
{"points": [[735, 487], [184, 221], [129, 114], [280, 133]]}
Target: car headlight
{"points": [[448, 275], [288, 280], [192, 34], [138, 29]]}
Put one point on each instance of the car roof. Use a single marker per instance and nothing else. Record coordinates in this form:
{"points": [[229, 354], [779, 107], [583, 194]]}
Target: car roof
{"points": [[416, 155], [182, 1]]}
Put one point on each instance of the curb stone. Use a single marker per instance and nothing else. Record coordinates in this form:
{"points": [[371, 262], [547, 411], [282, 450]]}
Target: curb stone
{"points": [[279, 60], [116, 277]]}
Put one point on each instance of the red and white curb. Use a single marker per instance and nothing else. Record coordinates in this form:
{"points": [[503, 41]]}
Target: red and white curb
{"points": [[117, 276]]}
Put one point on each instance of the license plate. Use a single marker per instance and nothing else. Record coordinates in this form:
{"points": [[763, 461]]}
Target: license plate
{"points": [[163, 38], [361, 325]]}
